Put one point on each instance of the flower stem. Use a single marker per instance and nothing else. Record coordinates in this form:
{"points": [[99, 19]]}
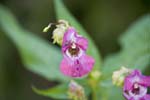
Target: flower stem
{"points": [[94, 97]]}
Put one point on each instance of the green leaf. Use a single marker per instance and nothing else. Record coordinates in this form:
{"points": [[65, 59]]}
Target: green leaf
{"points": [[37, 55], [135, 52], [63, 13], [109, 91], [58, 92]]}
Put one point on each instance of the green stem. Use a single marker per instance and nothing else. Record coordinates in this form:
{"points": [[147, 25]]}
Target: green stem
{"points": [[94, 93]]}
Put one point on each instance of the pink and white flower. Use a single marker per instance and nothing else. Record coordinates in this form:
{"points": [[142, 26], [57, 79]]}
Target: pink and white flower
{"points": [[75, 63], [136, 86]]}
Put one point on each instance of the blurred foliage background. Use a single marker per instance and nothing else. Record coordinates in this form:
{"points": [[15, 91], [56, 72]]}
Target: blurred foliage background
{"points": [[104, 20]]}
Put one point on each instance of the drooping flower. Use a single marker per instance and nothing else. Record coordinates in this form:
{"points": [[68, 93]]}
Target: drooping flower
{"points": [[75, 62], [136, 86]]}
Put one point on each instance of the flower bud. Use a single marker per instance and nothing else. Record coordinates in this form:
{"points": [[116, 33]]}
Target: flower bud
{"points": [[119, 76], [76, 91], [95, 74]]}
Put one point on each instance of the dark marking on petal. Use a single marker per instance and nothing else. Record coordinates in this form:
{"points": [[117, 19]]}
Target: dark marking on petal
{"points": [[127, 92], [136, 89], [74, 51]]}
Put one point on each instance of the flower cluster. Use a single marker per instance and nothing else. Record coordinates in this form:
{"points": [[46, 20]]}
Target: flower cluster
{"points": [[75, 62], [136, 86]]}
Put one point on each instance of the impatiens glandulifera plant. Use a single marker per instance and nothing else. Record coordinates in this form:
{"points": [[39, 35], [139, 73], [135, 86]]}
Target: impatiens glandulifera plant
{"points": [[75, 62], [45, 59]]}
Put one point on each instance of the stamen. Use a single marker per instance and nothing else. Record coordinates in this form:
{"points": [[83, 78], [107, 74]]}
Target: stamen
{"points": [[136, 86], [73, 46], [136, 89], [74, 50]]}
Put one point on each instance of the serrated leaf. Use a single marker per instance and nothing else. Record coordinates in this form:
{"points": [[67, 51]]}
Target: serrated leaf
{"points": [[37, 55], [58, 92], [135, 52], [63, 13]]}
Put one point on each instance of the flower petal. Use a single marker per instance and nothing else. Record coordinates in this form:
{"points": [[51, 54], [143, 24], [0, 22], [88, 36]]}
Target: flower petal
{"points": [[77, 68], [128, 83], [126, 93], [68, 38], [147, 97], [69, 35], [145, 80], [135, 76], [82, 42], [87, 63]]}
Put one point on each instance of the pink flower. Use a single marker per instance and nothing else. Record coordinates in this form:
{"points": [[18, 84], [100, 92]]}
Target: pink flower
{"points": [[75, 62], [136, 85]]}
